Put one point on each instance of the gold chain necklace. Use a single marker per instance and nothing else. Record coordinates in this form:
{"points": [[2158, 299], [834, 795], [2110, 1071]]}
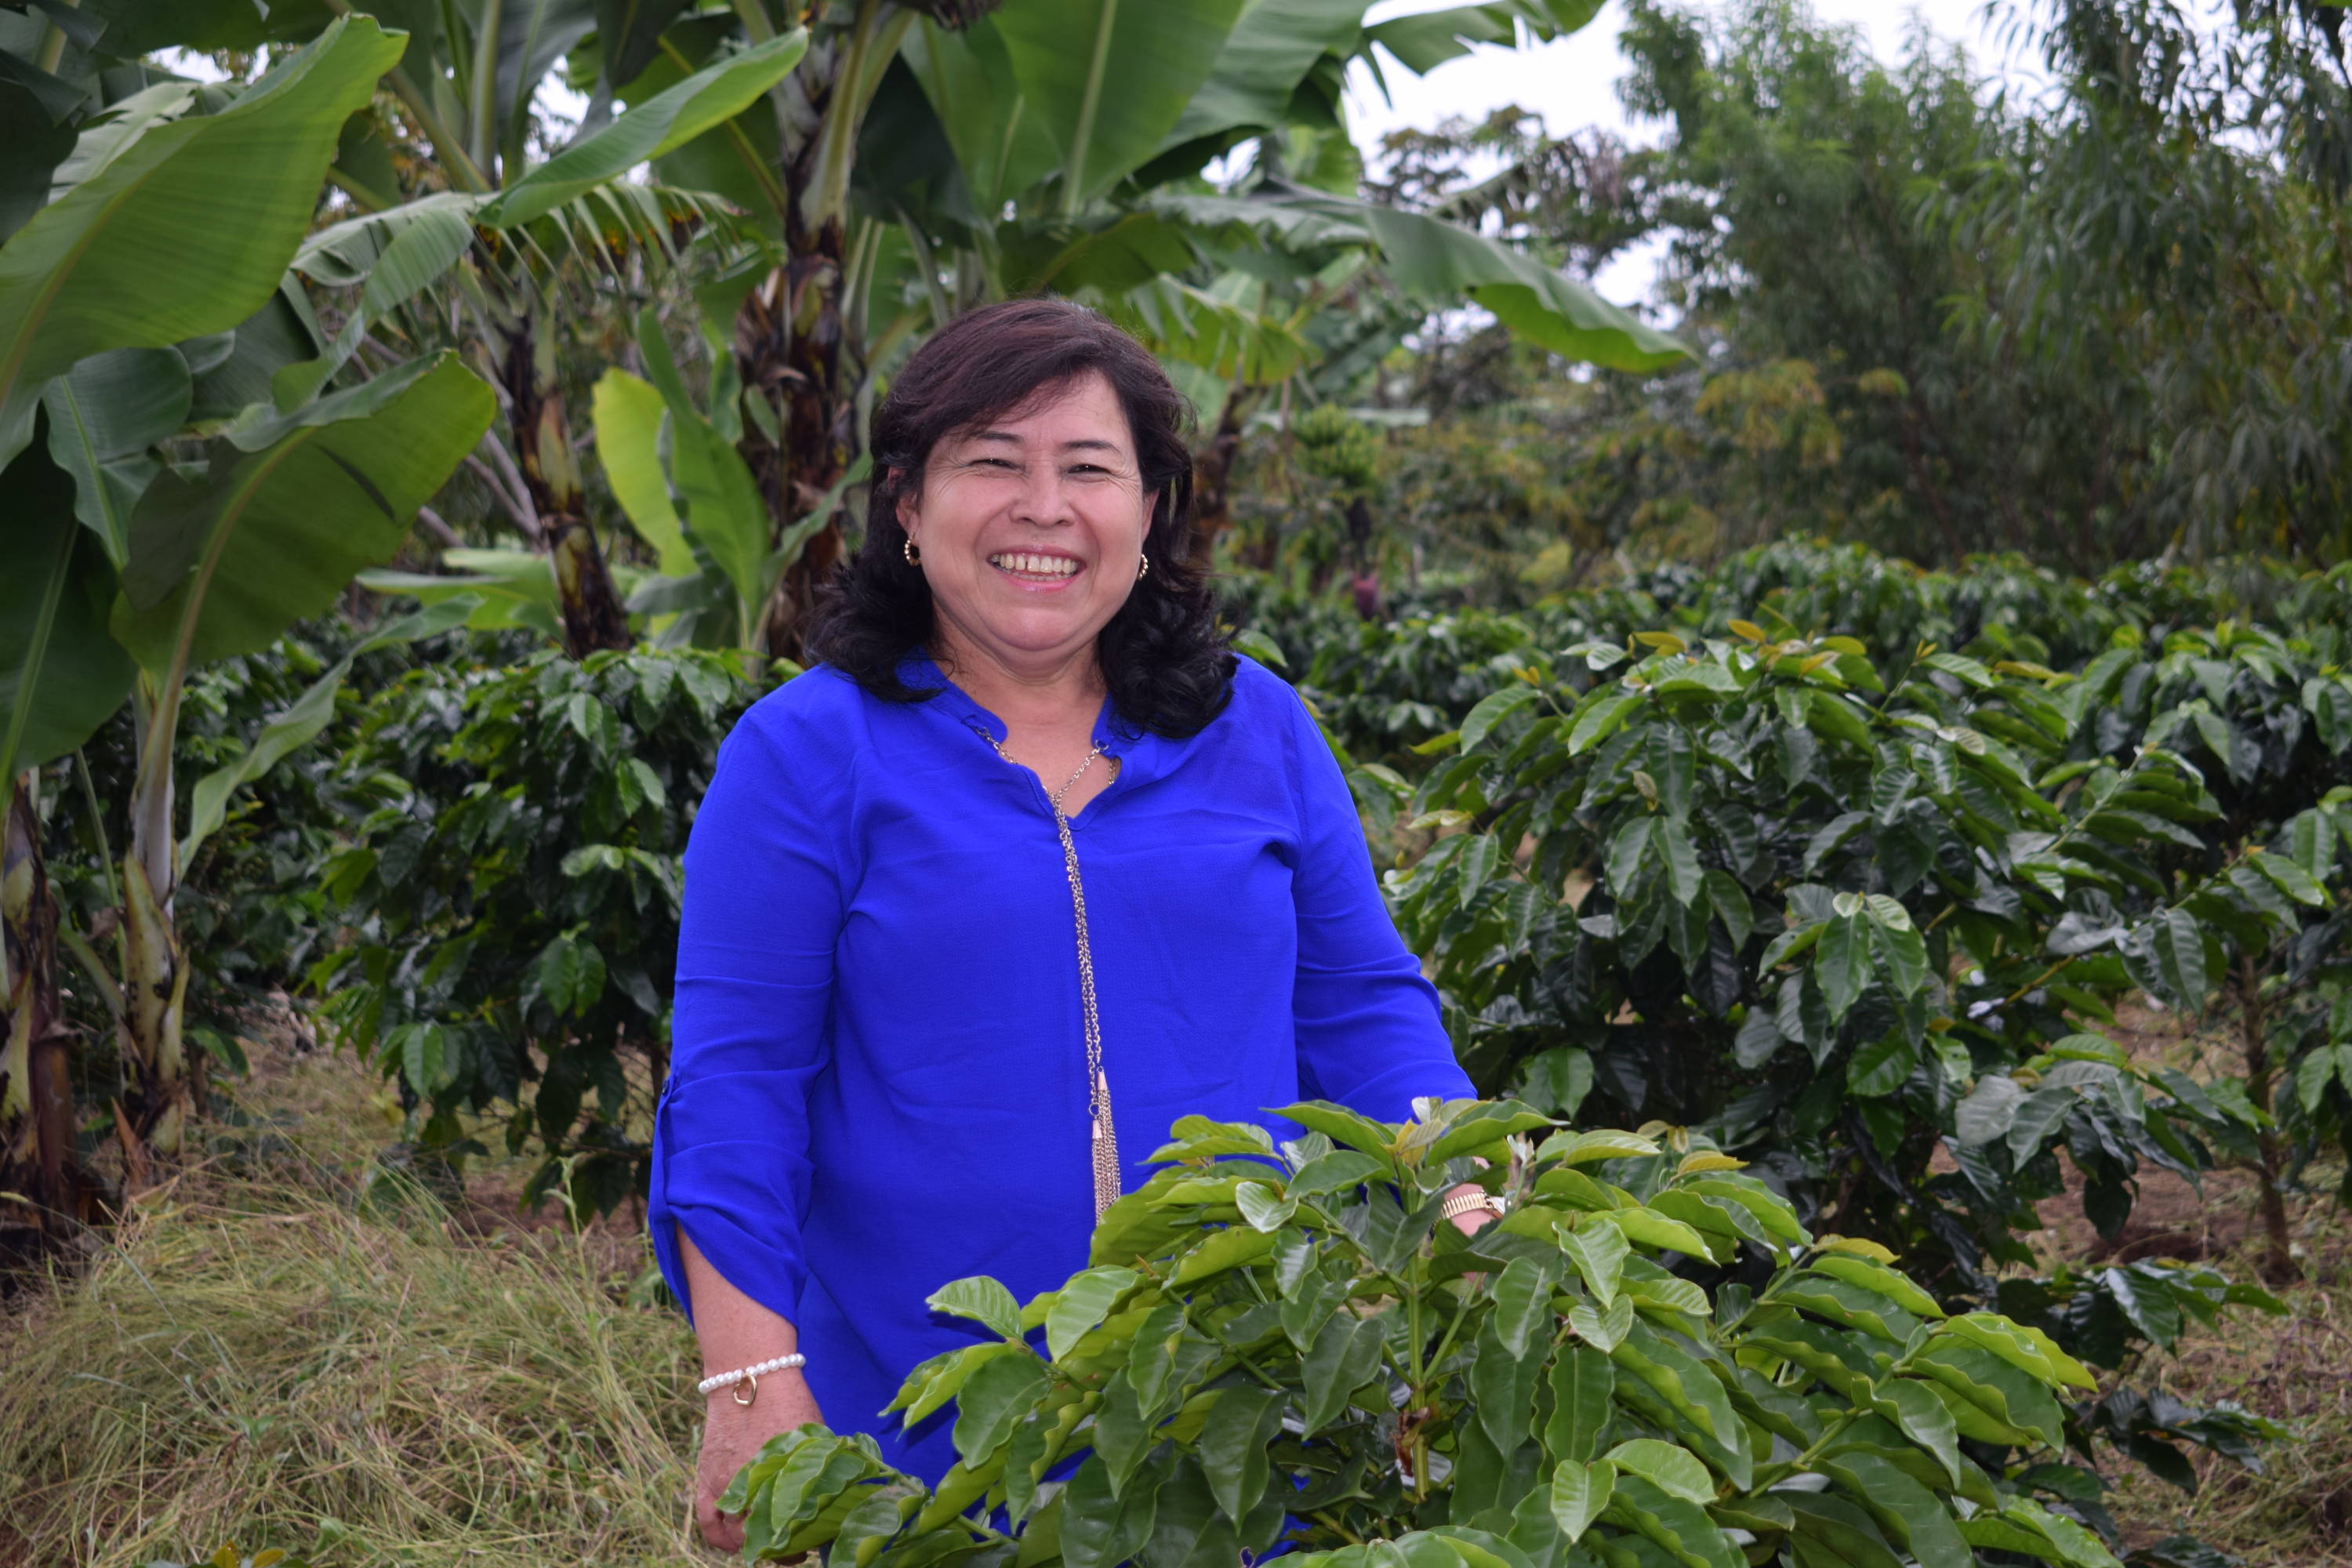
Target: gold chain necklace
{"points": [[1104, 1138]]}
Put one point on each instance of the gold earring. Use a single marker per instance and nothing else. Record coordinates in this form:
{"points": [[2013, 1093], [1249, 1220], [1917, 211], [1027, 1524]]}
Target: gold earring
{"points": [[912, 552], [1142, 567]]}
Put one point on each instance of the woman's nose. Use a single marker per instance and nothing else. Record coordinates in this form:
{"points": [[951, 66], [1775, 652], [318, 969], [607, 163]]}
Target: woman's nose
{"points": [[1045, 497]]}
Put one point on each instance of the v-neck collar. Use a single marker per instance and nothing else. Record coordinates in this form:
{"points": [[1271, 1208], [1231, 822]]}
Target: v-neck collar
{"points": [[1140, 753]]}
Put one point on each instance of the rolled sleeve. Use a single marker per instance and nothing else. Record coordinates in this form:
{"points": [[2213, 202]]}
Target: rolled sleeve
{"points": [[760, 921], [1370, 1035]]}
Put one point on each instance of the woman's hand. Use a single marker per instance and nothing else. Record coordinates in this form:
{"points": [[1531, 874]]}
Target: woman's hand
{"points": [[731, 1433]]}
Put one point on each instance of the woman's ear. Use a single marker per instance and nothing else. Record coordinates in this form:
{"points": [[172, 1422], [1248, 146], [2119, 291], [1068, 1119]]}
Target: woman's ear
{"points": [[905, 507]]}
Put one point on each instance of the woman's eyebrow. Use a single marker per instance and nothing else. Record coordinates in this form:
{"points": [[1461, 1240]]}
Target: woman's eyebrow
{"points": [[1081, 443]]}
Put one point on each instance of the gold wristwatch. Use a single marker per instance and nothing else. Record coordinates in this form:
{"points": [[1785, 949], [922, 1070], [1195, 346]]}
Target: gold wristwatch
{"points": [[1462, 1202]]}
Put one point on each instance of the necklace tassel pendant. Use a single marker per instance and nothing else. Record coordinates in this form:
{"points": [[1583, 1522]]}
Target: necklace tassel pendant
{"points": [[1105, 1149]]}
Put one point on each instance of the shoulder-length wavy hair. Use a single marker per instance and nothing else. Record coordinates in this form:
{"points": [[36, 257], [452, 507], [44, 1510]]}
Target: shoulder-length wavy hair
{"points": [[1168, 669]]}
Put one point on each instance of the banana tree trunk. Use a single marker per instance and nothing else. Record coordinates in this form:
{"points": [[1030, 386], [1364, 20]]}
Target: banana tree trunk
{"points": [[158, 1097], [37, 1121], [586, 596], [1212, 469], [789, 344]]}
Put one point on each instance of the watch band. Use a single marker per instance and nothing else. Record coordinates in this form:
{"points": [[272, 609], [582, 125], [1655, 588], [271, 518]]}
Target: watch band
{"points": [[1462, 1202]]}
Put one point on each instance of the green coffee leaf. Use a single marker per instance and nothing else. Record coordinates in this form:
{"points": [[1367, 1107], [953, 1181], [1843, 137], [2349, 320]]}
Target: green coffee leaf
{"points": [[1344, 1357], [1652, 1228], [1985, 1382], [1232, 1447], [1681, 1381], [1583, 1148], [1491, 710], [1263, 1207], [1602, 1330], [2038, 1117], [1836, 1531], [991, 1400], [981, 1299], [1988, 1111], [1598, 1252], [1082, 1303], [1598, 716], [2022, 1346], [1842, 964], [1223, 1249], [1673, 1470], [1874, 1276], [1579, 1493], [1905, 1510], [1101, 1527], [1923, 1417], [1522, 1305], [1582, 1382], [1676, 1525]]}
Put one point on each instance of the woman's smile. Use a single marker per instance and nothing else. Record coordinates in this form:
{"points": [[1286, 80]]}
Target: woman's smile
{"points": [[1045, 568]]}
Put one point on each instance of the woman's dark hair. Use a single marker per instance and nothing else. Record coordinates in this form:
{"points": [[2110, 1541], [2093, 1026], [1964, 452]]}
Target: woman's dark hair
{"points": [[1167, 666]]}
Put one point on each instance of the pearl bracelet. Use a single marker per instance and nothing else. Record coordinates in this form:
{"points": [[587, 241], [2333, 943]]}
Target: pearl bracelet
{"points": [[750, 1375]]}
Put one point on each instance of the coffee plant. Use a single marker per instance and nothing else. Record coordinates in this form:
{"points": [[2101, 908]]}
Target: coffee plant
{"points": [[1862, 921], [1292, 1348], [511, 911]]}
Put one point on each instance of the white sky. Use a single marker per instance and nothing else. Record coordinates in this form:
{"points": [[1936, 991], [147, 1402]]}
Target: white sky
{"points": [[1573, 83]]}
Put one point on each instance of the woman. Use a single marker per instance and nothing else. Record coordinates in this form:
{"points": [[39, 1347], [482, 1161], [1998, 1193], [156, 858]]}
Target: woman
{"points": [[1029, 867]]}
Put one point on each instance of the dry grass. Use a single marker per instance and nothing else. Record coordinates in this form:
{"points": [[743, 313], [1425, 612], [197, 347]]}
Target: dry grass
{"points": [[2297, 1370], [260, 1355]]}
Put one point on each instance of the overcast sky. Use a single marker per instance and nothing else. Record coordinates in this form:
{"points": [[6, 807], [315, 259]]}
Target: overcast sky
{"points": [[1573, 83]]}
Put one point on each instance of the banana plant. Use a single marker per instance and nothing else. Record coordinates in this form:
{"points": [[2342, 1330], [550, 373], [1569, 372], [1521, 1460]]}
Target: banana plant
{"points": [[495, 243], [686, 485], [166, 524]]}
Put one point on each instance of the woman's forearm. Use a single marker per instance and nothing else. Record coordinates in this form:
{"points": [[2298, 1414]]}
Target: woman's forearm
{"points": [[734, 1331], [737, 1331]]}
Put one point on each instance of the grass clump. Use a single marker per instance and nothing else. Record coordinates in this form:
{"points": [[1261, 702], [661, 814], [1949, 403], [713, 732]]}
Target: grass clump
{"points": [[270, 1353]]}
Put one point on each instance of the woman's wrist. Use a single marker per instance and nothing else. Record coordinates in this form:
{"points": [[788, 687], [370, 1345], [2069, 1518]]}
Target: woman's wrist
{"points": [[741, 1383]]}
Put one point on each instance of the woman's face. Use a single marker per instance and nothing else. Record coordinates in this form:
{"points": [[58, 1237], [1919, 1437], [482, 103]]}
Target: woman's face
{"points": [[1031, 528]]}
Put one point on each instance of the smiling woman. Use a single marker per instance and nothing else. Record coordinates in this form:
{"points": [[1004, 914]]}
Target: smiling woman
{"points": [[1030, 828]]}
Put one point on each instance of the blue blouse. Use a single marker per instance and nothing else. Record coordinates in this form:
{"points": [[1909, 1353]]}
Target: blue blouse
{"points": [[877, 1075]]}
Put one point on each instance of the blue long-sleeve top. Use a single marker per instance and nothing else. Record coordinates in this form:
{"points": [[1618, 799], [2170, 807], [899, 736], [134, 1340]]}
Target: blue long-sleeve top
{"points": [[878, 1077]]}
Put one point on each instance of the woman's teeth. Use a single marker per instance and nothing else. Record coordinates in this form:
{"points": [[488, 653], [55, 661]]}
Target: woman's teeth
{"points": [[1033, 565]]}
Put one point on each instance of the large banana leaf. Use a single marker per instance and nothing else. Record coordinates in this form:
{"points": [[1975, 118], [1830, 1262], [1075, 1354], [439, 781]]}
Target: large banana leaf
{"points": [[668, 120], [532, 35], [60, 674], [1111, 78], [187, 230], [629, 33], [718, 500], [1268, 53], [103, 416], [418, 255], [506, 589], [419, 241], [1422, 43], [1440, 264], [1000, 137], [1437, 261], [627, 413], [287, 508]]}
